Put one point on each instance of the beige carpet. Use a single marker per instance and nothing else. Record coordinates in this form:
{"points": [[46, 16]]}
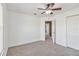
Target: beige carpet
{"points": [[41, 48]]}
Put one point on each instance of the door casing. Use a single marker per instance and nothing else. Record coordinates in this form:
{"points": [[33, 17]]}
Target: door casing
{"points": [[50, 27]]}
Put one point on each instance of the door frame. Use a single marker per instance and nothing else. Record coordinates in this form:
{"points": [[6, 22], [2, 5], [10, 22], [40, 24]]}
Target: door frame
{"points": [[54, 29], [50, 27]]}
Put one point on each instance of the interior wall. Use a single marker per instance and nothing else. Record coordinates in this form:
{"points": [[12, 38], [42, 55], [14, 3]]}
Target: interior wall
{"points": [[5, 29], [23, 28], [61, 26], [1, 29], [60, 20]]}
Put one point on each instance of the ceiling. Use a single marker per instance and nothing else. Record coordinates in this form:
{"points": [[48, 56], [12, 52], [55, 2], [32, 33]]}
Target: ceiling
{"points": [[31, 8]]}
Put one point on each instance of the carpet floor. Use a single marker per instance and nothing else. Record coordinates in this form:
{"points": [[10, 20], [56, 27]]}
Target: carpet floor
{"points": [[41, 48]]}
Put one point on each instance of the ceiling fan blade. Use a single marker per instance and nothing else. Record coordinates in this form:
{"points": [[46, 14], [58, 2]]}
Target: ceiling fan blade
{"points": [[41, 9], [42, 12], [50, 5], [47, 6], [56, 9]]}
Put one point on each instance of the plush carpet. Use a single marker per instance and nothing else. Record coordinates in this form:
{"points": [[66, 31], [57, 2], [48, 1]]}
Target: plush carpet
{"points": [[41, 48]]}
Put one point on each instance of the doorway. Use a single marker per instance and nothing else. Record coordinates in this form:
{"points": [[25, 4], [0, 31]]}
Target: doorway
{"points": [[48, 30]]}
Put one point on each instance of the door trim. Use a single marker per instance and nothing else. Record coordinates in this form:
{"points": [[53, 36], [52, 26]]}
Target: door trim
{"points": [[50, 23]]}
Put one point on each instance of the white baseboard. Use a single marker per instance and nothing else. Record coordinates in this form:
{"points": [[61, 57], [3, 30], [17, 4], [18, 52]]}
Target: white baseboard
{"points": [[61, 44], [1, 54], [23, 43], [5, 52]]}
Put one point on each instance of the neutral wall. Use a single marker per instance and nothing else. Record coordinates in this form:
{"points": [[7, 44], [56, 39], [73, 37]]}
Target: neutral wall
{"points": [[5, 29], [1, 29], [61, 26], [23, 28]]}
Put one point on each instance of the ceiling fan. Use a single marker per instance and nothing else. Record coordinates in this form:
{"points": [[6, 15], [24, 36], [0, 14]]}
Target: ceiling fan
{"points": [[49, 8]]}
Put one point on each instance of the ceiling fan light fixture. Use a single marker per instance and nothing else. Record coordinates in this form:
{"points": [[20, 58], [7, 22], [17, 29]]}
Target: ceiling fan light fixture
{"points": [[48, 11]]}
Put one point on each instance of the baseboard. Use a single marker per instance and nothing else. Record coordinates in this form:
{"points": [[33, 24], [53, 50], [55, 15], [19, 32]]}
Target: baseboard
{"points": [[5, 52], [61, 44], [42, 39], [1, 54], [24, 43]]}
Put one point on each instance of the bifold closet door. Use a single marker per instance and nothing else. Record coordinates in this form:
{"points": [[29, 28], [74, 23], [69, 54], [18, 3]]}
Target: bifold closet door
{"points": [[73, 32]]}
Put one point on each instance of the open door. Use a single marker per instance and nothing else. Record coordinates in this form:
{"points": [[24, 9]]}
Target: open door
{"points": [[48, 30]]}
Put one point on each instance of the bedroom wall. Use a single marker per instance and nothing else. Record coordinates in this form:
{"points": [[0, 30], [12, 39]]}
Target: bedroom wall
{"points": [[61, 26], [1, 29], [5, 29], [23, 28]]}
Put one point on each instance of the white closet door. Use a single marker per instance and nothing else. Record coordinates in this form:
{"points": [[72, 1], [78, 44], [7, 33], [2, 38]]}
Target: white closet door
{"points": [[73, 32]]}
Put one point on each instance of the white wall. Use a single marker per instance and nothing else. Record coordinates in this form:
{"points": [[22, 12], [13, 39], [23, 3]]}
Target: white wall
{"points": [[1, 29], [61, 26], [5, 29], [23, 28]]}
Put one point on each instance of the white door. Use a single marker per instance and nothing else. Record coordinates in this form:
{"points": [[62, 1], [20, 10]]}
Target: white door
{"points": [[73, 32]]}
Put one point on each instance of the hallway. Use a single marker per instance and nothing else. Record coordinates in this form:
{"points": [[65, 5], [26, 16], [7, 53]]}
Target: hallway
{"points": [[41, 48]]}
